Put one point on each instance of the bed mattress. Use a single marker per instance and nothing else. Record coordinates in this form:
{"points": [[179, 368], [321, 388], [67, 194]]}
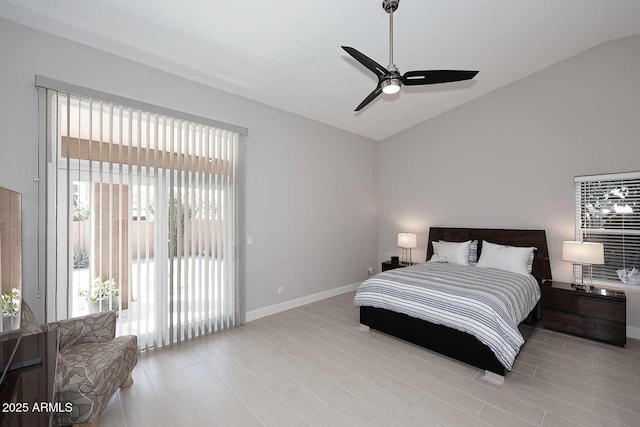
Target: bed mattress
{"points": [[486, 303]]}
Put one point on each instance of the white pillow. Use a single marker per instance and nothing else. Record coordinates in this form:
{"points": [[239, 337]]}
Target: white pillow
{"points": [[530, 260], [507, 258], [453, 252]]}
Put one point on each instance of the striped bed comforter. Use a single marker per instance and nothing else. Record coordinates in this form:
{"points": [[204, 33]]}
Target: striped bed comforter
{"points": [[486, 303]]}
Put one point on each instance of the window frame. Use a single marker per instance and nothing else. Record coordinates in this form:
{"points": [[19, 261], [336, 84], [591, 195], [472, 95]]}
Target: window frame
{"points": [[622, 238]]}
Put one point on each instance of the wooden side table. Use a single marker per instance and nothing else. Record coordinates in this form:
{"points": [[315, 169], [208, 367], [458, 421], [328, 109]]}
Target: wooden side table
{"points": [[27, 394], [388, 265], [599, 314]]}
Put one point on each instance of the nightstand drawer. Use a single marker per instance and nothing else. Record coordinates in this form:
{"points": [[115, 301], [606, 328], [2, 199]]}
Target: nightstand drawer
{"points": [[561, 301], [606, 330], [562, 321], [603, 309], [388, 265]]}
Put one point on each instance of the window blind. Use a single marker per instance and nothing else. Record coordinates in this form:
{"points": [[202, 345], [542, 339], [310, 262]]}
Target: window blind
{"points": [[141, 217], [608, 212]]}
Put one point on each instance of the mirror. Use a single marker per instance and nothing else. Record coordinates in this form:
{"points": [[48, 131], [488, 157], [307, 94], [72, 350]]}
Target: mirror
{"points": [[10, 258]]}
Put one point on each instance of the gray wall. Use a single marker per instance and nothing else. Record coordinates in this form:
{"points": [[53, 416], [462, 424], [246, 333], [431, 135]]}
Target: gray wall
{"points": [[508, 159], [310, 194]]}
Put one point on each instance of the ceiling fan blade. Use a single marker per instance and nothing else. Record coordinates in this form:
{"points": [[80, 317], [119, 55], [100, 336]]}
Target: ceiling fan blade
{"points": [[372, 65], [429, 77], [373, 95]]}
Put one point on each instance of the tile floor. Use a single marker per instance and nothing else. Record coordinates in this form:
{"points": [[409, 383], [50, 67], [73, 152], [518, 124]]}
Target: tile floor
{"points": [[313, 366]]}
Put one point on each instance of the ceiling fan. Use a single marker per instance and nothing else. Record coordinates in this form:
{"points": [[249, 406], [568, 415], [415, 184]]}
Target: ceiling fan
{"points": [[389, 79]]}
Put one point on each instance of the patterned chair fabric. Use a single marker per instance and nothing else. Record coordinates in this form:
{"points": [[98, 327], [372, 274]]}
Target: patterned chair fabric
{"points": [[28, 322], [92, 363]]}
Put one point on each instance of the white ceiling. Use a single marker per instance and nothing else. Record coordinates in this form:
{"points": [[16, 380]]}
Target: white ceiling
{"points": [[287, 54]]}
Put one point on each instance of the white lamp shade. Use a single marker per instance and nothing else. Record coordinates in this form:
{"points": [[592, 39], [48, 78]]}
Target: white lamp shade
{"points": [[583, 252], [407, 240]]}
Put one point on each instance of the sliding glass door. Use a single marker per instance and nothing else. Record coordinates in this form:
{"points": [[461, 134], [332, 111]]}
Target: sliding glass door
{"points": [[141, 218]]}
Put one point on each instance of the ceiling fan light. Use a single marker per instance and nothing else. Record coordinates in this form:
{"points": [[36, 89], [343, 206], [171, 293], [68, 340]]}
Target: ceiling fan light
{"points": [[391, 86]]}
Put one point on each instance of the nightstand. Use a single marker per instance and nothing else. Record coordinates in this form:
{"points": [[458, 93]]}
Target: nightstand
{"points": [[599, 314], [387, 265]]}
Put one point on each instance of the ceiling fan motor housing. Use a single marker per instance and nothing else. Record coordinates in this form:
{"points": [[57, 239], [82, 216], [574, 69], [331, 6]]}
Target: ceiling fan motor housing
{"points": [[390, 85], [393, 79]]}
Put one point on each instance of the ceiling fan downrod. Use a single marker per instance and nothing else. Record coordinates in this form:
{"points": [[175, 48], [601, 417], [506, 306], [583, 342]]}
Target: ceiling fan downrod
{"points": [[390, 6], [391, 84]]}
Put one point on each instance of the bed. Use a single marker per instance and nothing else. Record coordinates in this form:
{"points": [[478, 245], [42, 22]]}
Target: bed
{"points": [[448, 341]]}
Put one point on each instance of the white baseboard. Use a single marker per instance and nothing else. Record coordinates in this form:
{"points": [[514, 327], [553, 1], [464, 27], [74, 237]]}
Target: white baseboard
{"points": [[288, 305], [633, 332]]}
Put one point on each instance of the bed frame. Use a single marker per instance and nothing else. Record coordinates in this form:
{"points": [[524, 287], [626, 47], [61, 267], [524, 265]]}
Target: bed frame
{"points": [[451, 342]]}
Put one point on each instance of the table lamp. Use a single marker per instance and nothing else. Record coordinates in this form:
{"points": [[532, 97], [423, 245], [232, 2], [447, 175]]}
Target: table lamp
{"points": [[407, 241], [584, 254]]}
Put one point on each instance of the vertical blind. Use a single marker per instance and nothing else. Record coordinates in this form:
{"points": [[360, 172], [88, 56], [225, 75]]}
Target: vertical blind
{"points": [[608, 212], [141, 218]]}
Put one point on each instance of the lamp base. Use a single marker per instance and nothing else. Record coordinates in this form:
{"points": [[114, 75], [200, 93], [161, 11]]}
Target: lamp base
{"points": [[581, 287]]}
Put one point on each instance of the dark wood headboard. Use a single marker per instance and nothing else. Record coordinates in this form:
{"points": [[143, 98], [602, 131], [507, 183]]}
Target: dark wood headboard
{"points": [[526, 238]]}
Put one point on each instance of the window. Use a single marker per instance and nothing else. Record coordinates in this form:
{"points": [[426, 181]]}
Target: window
{"points": [[608, 212], [141, 216]]}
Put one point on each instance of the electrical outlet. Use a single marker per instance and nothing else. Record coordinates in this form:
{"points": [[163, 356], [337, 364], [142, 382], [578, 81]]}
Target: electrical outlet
{"points": [[280, 290]]}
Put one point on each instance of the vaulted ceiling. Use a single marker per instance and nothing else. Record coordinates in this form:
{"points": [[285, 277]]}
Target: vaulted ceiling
{"points": [[286, 53]]}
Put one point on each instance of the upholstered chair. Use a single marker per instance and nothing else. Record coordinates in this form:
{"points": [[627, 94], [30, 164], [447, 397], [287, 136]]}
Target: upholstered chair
{"points": [[92, 363]]}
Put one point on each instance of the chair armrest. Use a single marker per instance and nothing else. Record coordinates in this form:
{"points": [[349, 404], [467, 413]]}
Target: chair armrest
{"points": [[28, 323], [93, 327], [34, 329]]}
